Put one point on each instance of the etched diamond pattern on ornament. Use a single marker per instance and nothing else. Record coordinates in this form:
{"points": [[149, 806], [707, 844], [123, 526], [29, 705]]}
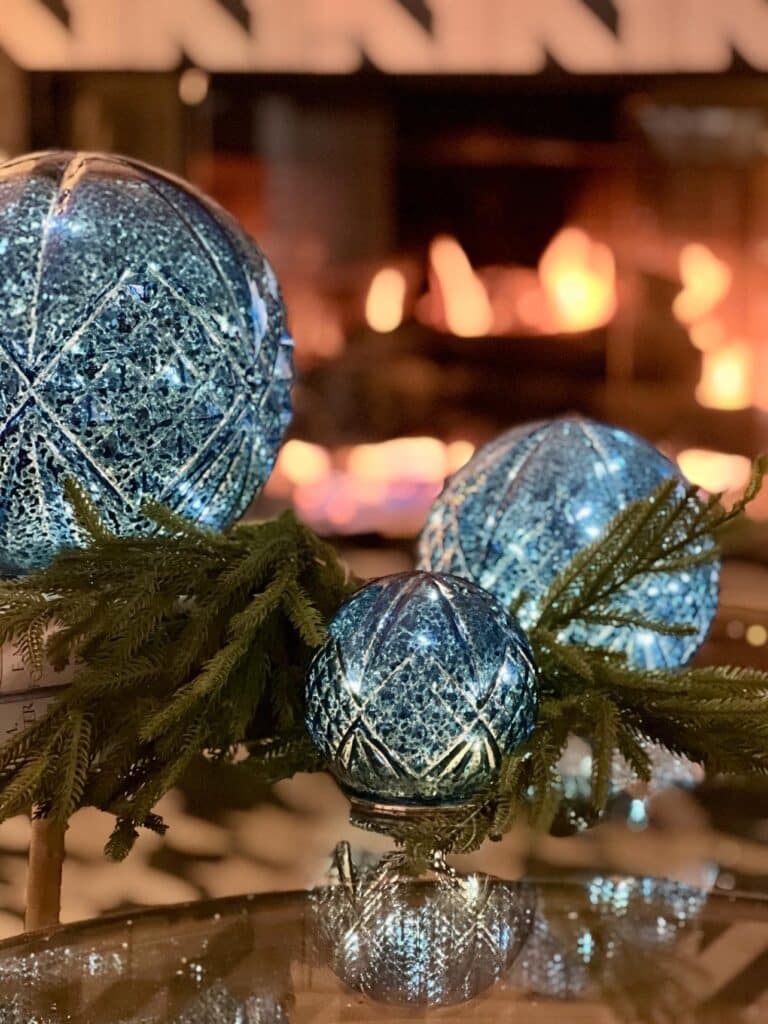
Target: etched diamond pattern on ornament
{"points": [[516, 514], [423, 685], [143, 351]]}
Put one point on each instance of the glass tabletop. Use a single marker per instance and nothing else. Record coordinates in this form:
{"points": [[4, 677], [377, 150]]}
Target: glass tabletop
{"points": [[382, 945]]}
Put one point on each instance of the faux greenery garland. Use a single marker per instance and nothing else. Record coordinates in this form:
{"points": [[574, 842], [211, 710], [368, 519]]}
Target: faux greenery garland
{"points": [[190, 641]]}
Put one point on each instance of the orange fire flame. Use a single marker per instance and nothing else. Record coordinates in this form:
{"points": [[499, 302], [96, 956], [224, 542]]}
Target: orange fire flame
{"points": [[578, 276], [385, 301], [574, 290], [706, 281], [466, 306], [707, 334], [714, 471], [727, 359], [726, 376]]}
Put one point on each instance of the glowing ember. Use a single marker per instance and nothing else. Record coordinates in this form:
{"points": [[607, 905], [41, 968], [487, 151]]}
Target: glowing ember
{"points": [[385, 300], [466, 306], [578, 276], [706, 281], [714, 471], [707, 334], [302, 463], [385, 487], [726, 373], [406, 458]]}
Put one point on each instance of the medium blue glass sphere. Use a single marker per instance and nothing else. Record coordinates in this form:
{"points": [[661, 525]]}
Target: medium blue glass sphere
{"points": [[424, 683], [143, 351], [525, 504]]}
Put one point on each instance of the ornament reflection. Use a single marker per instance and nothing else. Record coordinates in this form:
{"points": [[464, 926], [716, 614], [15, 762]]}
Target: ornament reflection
{"points": [[639, 947], [442, 938], [607, 939], [217, 1005], [432, 940]]}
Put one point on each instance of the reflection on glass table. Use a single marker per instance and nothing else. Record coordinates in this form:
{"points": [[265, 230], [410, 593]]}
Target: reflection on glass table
{"points": [[377, 944]]}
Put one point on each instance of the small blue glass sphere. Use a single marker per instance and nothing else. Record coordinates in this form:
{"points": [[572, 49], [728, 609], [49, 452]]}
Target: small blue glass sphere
{"points": [[143, 351], [525, 504], [424, 683]]}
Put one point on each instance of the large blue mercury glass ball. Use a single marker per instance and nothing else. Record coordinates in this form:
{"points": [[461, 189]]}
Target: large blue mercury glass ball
{"points": [[525, 504], [424, 683], [143, 351]]}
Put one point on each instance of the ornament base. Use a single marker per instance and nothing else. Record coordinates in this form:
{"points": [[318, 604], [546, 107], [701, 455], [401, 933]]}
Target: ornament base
{"points": [[376, 816]]}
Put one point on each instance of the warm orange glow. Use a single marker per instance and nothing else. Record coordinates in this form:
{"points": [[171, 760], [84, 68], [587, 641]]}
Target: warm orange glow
{"points": [[726, 374], [316, 322], [385, 487], [465, 300], [573, 290], [714, 471], [707, 334], [193, 86], [458, 453], [302, 463], [706, 281], [532, 308], [385, 300], [409, 458], [578, 276]]}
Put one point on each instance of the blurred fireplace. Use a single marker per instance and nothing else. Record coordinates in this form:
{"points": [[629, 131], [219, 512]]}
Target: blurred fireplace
{"points": [[537, 245], [463, 253]]}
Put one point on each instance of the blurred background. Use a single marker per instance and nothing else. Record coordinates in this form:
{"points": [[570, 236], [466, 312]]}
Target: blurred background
{"points": [[481, 213]]}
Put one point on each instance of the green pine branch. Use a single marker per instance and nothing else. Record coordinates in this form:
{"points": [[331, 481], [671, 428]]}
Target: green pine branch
{"points": [[716, 716], [668, 531], [185, 641], [190, 642]]}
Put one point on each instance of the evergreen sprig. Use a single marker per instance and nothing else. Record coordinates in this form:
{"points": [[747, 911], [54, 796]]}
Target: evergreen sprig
{"points": [[716, 716], [185, 641], [190, 641]]}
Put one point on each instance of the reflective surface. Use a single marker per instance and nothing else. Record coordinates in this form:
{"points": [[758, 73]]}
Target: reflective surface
{"points": [[424, 683], [515, 515], [605, 949], [626, 921], [143, 350]]}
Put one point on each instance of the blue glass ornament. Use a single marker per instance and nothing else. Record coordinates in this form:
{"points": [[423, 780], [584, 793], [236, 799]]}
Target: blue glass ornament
{"points": [[143, 351], [424, 683], [525, 504]]}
